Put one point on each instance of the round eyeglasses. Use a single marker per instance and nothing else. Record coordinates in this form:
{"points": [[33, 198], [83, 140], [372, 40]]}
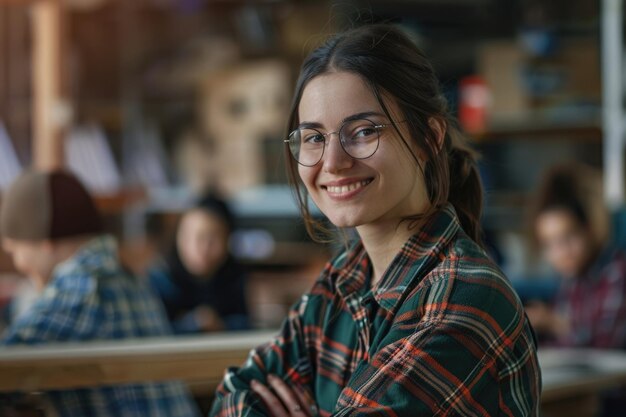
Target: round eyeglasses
{"points": [[358, 138]]}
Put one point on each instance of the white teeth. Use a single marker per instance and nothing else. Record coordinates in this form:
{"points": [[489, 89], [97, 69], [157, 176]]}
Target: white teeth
{"points": [[347, 188]]}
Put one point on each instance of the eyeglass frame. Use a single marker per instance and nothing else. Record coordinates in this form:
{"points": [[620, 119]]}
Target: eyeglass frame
{"points": [[338, 133]]}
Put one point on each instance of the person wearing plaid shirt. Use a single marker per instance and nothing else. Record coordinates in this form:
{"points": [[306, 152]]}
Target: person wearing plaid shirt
{"points": [[570, 227], [86, 296], [412, 318], [594, 304]]}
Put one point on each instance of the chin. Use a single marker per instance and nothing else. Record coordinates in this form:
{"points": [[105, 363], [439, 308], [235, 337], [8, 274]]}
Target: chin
{"points": [[568, 272], [345, 216], [345, 222]]}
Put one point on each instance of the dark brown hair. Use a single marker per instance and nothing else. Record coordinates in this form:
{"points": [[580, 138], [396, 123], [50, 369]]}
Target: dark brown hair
{"points": [[575, 188], [392, 65]]}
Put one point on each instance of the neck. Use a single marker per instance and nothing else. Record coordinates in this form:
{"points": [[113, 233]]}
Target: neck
{"points": [[64, 249], [382, 243], [68, 247], [59, 252], [39, 281]]}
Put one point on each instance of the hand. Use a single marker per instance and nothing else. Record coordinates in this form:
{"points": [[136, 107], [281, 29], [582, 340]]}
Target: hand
{"points": [[284, 401], [208, 319], [544, 320], [540, 316]]}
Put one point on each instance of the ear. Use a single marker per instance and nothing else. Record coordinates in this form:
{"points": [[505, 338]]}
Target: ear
{"points": [[438, 127], [47, 245]]}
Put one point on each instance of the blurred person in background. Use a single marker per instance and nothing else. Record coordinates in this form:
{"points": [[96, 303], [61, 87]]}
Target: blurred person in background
{"points": [[569, 225], [52, 230], [412, 318], [200, 283]]}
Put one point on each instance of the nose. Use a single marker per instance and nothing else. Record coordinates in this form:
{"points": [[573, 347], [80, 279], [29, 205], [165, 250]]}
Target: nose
{"points": [[335, 158]]}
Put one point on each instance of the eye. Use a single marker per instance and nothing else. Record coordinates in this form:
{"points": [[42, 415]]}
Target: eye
{"points": [[363, 133], [313, 138]]}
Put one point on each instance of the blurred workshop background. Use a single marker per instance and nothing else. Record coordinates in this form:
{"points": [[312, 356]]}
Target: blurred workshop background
{"points": [[152, 101]]}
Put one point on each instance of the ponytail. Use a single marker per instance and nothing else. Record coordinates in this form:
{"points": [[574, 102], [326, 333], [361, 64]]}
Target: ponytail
{"points": [[466, 190]]}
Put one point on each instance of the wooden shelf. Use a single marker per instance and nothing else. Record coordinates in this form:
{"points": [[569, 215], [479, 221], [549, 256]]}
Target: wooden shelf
{"points": [[528, 127], [293, 254], [118, 202]]}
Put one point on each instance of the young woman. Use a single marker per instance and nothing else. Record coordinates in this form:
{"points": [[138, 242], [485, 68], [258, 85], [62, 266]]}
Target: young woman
{"points": [[201, 285], [569, 227], [412, 319]]}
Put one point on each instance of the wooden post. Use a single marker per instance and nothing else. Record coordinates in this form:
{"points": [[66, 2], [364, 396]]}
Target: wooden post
{"points": [[50, 112], [612, 102]]}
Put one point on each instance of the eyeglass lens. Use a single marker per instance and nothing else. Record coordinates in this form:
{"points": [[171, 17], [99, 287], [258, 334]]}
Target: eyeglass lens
{"points": [[358, 138]]}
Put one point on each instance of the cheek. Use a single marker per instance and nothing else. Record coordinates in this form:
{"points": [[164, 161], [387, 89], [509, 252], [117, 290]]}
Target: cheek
{"points": [[19, 261], [216, 251], [307, 176], [187, 250], [555, 256], [567, 256], [23, 262], [579, 249]]}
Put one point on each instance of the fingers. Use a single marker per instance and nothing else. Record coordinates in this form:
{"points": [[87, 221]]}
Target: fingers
{"points": [[283, 400], [289, 396], [306, 400], [274, 405]]}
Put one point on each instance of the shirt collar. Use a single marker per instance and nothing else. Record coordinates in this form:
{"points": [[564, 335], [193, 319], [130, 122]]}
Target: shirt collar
{"points": [[99, 253], [416, 258]]}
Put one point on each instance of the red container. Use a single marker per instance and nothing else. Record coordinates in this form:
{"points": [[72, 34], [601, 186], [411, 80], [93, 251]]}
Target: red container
{"points": [[473, 103]]}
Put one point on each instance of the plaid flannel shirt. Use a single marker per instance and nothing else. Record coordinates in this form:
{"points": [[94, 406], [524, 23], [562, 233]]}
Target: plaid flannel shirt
{"points": [[90, 297], [595, 304], [441, 334]]}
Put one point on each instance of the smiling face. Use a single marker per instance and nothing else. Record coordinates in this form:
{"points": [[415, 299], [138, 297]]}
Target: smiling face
{"points": [[376, 191]]}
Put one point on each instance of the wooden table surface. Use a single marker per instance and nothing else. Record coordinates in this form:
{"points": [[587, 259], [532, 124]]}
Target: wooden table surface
{"points": [[200, 362], [190, 359], [574, 380], [572, 372]]}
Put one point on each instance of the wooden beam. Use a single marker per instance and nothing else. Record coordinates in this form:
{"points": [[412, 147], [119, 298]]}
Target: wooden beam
{"points": [[49, 113], [614, 143], [17, 2]]}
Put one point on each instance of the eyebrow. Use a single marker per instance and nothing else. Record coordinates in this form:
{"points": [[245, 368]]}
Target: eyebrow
{"points": [[357, 116]]}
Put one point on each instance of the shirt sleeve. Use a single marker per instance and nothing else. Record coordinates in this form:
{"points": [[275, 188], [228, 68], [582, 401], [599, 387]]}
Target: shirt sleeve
{"points": [[285, 356], [441, 370], [186, 324], [459, 345], [54, 317], [160, 282], [609, 331]]}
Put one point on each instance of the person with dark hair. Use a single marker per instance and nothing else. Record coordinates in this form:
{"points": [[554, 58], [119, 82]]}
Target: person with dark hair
{"points": [[200, 283], [51, 228], [412, 318], [569, 227]]}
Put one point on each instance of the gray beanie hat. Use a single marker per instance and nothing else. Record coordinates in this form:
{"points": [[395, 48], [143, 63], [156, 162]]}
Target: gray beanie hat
{"points": [[47, 205]]}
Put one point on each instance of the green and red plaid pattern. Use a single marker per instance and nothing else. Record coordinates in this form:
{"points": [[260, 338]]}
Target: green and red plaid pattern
{"points": [[441, 334]]}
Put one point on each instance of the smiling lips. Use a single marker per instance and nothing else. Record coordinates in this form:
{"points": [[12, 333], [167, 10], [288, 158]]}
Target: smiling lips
{"points": [[346, 190]]}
